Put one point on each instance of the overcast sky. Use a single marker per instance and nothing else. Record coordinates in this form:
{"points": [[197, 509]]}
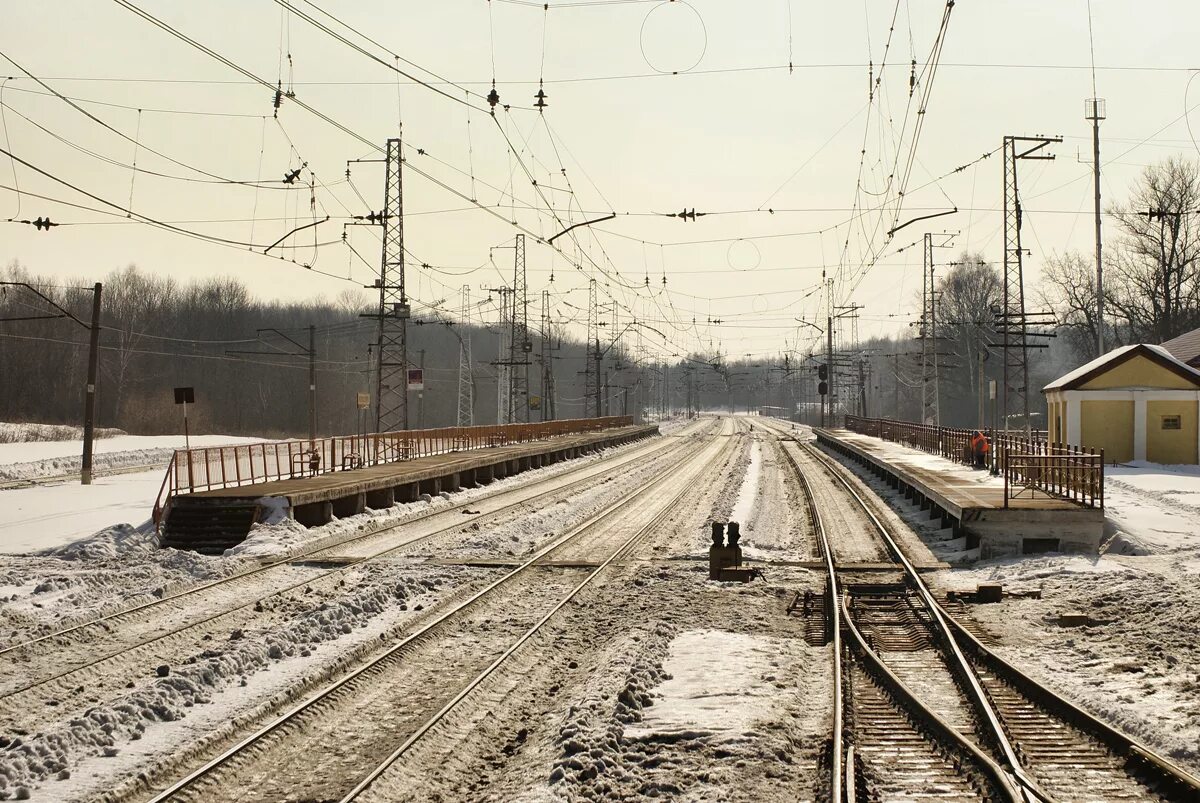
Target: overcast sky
{"points": [[736, 132]]}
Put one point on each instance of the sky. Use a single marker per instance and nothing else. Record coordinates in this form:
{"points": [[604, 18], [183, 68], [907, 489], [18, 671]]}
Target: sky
{"points": [[653, 108]]}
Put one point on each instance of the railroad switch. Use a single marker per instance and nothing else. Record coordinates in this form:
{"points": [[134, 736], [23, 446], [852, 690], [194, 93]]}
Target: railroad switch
{"points": [[725, 560]]}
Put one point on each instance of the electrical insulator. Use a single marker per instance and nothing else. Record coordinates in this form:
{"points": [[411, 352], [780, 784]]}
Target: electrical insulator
{"points": [[493, 98], [540, 99]]}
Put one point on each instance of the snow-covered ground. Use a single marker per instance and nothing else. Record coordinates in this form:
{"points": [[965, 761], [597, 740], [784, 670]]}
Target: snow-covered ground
{"points": [[663, 683], [43, 517], [33, 459], [40, 517], [1153, 508]]}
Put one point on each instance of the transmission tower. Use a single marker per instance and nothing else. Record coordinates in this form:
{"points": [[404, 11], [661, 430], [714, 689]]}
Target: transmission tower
{"points": [[466, 376], [1014, 322], [520, 347], [391, 397], [591, 379]]}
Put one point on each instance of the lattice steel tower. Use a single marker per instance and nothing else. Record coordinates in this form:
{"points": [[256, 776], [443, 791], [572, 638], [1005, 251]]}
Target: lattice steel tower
{"points": [[466, 375], [548, 411], [1014, 323], [391, 395], [504, 361], [520, 346], [591, 379]]}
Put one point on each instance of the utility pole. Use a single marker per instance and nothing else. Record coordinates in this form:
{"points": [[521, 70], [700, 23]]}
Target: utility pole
{"points": [[896, 387], [391, 396], [689, 372], [827, 399], [604, 396], [1094, 110], [421, 393], [862, 386], [89, 401], [93, 370], [982, 359], [1014, 323], [930, 402], [466, 375], [312, 384], [548, 411]]}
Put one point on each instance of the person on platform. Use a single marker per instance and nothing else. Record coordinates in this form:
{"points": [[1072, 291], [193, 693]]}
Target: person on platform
{"points": [[979, 448]]}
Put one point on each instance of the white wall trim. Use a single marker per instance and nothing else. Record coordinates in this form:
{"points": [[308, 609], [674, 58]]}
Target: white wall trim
{"points": [[1130, 395], [1139, 425], [1074, 420]]}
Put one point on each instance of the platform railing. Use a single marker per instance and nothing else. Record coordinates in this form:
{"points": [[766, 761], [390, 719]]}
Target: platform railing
{"points": [[1030, 466], [209, 468]]}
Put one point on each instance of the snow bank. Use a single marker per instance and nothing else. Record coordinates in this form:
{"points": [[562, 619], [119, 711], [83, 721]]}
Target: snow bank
{"points": [[717, 686], [106, 729], [24, 433], [44, 517], [669, 715], [1152, 508], [31, 460], [743, 508]]}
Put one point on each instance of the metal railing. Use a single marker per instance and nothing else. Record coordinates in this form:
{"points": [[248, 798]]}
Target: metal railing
{"points": [[217, 467], [1029, 465]]}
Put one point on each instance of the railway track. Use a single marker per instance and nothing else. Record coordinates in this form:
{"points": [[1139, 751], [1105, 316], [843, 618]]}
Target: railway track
{"points": [[340, 741], [928, 712], [135, 637]]}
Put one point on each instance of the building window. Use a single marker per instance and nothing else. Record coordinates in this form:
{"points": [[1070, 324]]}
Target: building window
{"points": [[1172, 422]]}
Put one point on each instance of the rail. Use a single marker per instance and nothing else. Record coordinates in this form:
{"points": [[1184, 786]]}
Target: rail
{"points": [[649, 492], [1030, 466], [210, 468]]}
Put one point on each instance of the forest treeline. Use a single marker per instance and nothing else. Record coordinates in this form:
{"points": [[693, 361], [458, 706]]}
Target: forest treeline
{"points": [[159, 334]]}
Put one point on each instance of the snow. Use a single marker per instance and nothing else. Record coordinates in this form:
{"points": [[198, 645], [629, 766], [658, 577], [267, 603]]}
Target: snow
{"points": [[744, 506], [33, 459], [11, 432], [719, 685], [43, 517], [1153, 508]]}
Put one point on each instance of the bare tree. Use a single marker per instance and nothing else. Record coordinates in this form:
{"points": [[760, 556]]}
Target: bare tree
{"points": [[1156, 284], [1068, 288], [968, 295]]}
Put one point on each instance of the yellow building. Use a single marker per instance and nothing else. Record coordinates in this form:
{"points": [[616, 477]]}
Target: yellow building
{"points": [[1136, 403]]}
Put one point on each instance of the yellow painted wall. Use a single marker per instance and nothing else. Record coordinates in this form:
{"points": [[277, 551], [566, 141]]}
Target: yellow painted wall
{"points": [[1139, 372], [1107, 425], [1056, 420], [1171, 445]]}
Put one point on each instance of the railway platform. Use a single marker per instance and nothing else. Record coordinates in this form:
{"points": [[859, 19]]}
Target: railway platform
{"points": [[995, 516], [213, 519]]}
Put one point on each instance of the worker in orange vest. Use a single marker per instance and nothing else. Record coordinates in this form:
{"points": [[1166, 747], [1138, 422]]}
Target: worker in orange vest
{"points": [[979, 448]]}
